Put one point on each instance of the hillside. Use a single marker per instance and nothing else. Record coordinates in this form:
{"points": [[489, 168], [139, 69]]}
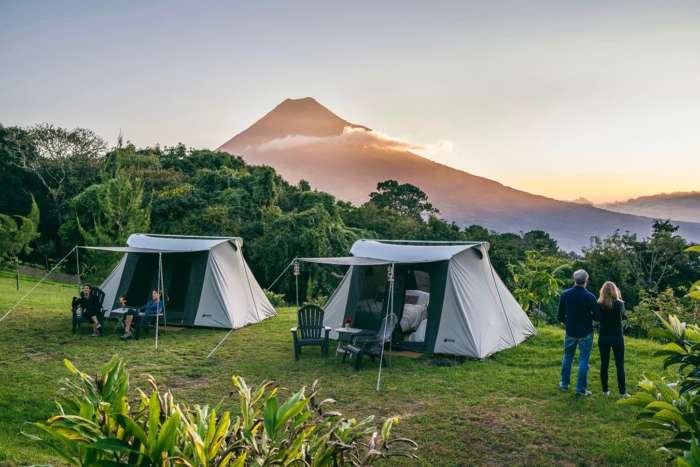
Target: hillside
{"points": [[681, 206], [304, 140]]}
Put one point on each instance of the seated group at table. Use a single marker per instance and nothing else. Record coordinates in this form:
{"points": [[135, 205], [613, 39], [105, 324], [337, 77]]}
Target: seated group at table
{"points": [[90, 308], [152, 308]]}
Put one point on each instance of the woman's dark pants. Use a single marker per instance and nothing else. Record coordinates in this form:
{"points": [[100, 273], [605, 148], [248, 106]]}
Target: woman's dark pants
{"points": [[617, 345]]}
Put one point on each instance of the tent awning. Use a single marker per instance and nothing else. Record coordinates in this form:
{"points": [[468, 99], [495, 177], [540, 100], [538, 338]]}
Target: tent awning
{"points": [[346, 261], [124, 249]]}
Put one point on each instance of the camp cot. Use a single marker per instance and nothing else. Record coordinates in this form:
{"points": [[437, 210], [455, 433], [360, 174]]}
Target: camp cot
{"points": [[446, 295], [206, 280]]}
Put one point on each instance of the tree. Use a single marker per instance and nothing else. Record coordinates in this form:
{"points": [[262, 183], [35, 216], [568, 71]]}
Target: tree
{"points": [[662, 257], [64, 161], [106, 214], [404, 198], [615, 259], [17, 233], [538, 281]]}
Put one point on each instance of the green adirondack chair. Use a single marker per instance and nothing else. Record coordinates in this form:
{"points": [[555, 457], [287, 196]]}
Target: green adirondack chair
{"points": [[310, 330]]}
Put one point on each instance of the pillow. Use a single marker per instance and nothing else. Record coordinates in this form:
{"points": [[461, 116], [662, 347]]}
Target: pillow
{"points": [[411, 299]]}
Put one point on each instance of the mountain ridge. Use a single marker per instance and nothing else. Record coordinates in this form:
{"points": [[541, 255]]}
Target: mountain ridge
{"points": [[297, 137], [679, 206]]}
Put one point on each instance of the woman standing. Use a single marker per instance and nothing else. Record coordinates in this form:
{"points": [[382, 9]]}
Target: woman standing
{"points": [[611, 312]]}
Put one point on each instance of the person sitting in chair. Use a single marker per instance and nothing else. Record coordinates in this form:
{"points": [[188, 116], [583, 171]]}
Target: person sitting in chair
{"points": [[89, 307], [153, 307]]}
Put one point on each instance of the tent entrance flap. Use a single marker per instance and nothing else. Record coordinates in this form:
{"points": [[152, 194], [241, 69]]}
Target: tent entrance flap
{"points": [[182, 276]]}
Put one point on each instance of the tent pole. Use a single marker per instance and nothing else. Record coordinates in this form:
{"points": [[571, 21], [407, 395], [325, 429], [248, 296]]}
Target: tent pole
{"points": [[389, 308], [296, 271], [77, 266], [160, 276], [281, 274]]}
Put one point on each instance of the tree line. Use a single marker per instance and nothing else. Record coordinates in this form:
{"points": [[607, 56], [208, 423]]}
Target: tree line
{"points": [[65, 187]]}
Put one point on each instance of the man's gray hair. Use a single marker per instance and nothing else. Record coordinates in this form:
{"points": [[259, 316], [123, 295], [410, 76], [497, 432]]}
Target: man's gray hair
{"points": [[580, 277]]}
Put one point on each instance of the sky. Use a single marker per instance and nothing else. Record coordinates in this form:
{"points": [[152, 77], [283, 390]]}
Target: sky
{"points": [[566, 99]]}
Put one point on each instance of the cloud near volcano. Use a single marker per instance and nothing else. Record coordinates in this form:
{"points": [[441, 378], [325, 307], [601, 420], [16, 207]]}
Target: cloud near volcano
{"points": [[359, 137]]}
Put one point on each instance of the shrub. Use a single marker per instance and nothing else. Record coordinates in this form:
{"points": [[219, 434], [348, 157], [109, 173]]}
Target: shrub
{"points": [[643, 319], [277, 299], [98, 424]]}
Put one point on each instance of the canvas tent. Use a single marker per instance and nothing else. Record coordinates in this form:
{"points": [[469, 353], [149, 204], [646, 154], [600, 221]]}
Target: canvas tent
{"points": [[206, 280], [447, 296]]}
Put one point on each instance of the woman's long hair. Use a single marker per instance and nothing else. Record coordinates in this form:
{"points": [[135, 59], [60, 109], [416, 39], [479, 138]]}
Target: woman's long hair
{"points": [[609, 293]]}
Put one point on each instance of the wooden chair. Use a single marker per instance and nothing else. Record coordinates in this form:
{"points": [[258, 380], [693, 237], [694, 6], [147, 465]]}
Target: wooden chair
{"points": [[310, 330], [371, 345], [79, 318]]}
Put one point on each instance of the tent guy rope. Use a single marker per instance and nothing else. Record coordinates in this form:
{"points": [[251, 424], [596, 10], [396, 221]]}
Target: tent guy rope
{"points": [[38, 283]]}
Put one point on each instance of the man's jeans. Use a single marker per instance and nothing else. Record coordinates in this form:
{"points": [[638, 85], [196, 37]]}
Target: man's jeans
{"points": [[570, 343]]}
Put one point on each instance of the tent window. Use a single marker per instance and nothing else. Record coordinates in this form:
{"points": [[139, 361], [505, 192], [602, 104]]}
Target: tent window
{"points": [[370, 307], [179, 271], [414, 315], [144, 280]]}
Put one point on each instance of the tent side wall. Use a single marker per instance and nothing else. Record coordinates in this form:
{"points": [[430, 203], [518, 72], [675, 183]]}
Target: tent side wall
{"points": [[110, 286], [336, 306], [231, 297], [480, 316]]}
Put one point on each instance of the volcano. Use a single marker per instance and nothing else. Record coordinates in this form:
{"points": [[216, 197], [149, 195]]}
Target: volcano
{"points": [[302, 139]]}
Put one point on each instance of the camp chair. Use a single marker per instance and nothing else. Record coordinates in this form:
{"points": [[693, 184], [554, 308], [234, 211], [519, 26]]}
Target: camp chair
{"points": [[310, 330], [371, 345], [79, 319]]}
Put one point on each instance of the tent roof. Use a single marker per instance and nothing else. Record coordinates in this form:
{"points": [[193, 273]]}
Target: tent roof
{"points": [[378, 252], [152, 243], [409, 252]]}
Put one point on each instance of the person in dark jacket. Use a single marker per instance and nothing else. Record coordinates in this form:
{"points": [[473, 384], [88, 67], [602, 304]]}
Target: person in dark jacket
{"points": [[610, 313], [89, 307], [577, 307]]}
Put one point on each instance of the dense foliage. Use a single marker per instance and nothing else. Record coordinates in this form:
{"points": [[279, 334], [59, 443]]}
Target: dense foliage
{"points": [[101, 423], [674, 406], [89, 194]]}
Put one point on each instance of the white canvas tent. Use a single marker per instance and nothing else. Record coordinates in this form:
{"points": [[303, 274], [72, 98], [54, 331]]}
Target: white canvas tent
{"points": [[470, 312], [206, 280]]}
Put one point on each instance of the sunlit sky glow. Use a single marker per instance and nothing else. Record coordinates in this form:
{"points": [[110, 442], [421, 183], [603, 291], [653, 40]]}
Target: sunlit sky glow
{"points": [[592, 99]]}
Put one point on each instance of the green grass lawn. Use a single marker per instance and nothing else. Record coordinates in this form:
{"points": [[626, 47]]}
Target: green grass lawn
{"points": [[502, 410]]}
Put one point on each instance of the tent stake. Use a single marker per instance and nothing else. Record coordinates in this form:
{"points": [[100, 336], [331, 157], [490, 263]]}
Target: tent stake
{"points": [[77, 266]]}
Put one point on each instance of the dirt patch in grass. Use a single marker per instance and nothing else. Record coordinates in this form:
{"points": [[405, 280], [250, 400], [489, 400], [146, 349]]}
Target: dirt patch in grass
{"points": [[35, 355], [510, 434]]}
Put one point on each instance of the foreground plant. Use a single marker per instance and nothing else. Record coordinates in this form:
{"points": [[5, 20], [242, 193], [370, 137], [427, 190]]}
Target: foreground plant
{"points": [[674, 406], [98, 425]]}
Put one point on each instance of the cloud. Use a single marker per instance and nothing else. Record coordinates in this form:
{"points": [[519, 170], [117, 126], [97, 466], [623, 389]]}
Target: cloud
{"points": [[360, 137]]}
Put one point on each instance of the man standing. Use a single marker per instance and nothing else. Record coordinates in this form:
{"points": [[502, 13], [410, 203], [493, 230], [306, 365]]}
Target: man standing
{"points": [[577, 307]]}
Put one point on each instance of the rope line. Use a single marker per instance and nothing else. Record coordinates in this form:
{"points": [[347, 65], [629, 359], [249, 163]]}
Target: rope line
{"points": [[219, 344], [281, 274], [505, 314], [36, 285]]}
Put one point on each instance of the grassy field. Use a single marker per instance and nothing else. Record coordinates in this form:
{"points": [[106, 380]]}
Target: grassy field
{"points": [[502, 410]]}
